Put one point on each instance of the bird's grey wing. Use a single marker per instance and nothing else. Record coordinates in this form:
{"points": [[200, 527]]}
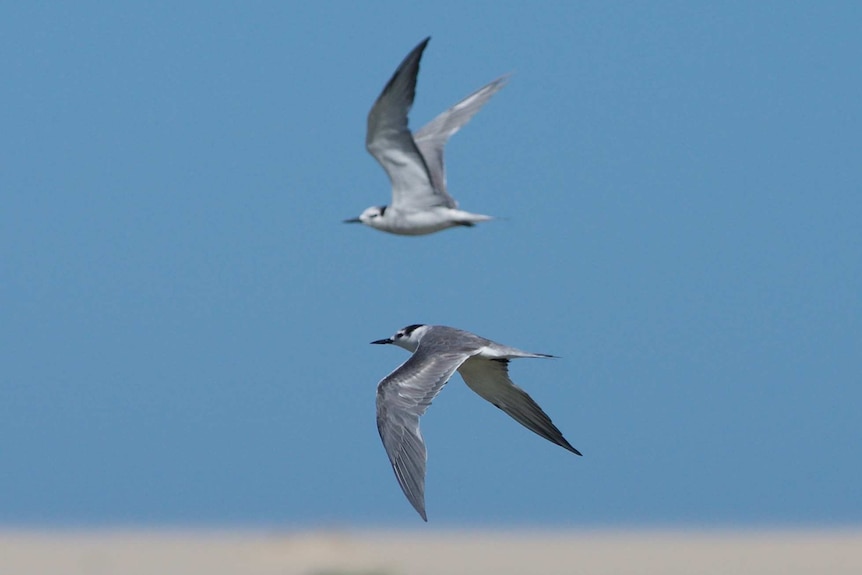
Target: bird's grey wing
{"points": [[402, 397], [432, 138], [390, 142], [490, 379]]}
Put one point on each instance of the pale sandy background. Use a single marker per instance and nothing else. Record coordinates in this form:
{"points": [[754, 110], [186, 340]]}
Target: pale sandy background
{"points": [[354, 552]]}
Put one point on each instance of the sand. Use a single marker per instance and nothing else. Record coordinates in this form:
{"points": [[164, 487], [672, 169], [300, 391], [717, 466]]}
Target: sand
{"points": [[421, 552]]}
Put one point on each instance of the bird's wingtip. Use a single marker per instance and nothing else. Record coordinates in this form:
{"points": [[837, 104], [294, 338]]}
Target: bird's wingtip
{"points": [[503, 78], [568, 446]]}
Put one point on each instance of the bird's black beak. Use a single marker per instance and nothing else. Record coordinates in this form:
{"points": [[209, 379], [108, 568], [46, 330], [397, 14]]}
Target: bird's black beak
{"points": [[382, 341], [353, 221]]}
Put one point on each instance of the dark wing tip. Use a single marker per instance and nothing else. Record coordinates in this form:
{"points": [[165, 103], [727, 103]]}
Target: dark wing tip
{"points": [[418, 504], [564, 443], [408, 68], [411, 59]]}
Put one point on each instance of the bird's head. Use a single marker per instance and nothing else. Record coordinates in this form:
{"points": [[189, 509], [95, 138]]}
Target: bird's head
{"points": [[406, 337], [369, 217]]}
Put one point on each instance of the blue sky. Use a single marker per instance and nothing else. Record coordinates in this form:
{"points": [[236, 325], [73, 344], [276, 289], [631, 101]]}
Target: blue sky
{"points": [[185, 319]]}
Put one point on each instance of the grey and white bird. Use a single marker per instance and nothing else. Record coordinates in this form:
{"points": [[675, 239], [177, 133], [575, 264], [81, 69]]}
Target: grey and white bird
{"points": [[414, 162], [404, 395]]}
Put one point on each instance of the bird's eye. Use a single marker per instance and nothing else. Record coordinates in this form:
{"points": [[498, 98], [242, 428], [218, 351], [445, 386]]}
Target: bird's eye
{"points": [[399, 334]]}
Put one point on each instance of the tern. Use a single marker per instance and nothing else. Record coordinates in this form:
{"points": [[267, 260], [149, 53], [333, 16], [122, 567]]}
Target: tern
{"points": [[414, 162], [404, 395]]}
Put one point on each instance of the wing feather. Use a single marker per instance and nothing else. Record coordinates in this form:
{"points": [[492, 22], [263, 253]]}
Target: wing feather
{"points": [[389, 140], [402, 398], [432, 138], [490, 379]]}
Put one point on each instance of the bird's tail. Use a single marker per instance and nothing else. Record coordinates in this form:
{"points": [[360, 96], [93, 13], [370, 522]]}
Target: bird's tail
{"points": [[463, 218]]}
